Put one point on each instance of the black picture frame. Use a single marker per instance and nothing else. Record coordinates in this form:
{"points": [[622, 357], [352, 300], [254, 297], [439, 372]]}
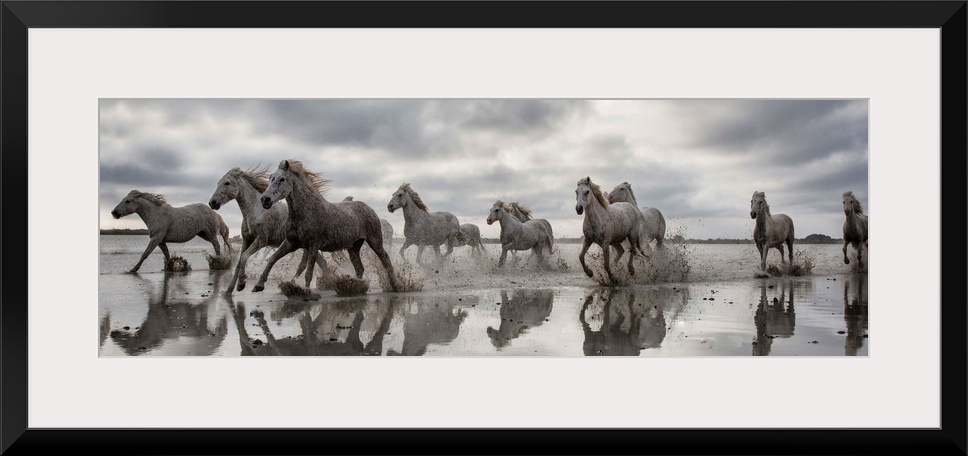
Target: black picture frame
{"points": [[18, 16]]}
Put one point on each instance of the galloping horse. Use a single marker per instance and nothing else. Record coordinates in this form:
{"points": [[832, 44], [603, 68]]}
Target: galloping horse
{"points": [[387, 227], [654, 227], [172, 224], [470, 234], [607, 224], [531, 235], [770, 230], [855, 228], [422, 227], [260, 227], [318, 225]]}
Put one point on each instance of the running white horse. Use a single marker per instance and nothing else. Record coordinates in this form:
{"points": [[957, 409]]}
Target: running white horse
{"points": [[654, 227], [770, 231], [422, 227], [855, 228], [260, 227], [607, 224], [470, 234], [515, 235], [172, 224], [318, 225]]}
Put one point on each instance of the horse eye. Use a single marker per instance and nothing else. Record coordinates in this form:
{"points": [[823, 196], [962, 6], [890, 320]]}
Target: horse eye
{"points": [[226, 183]]}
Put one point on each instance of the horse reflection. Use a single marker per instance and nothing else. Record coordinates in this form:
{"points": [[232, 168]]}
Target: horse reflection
{"points": [[175, 319], [428, 320], [631, 321], [321, 328], [523, 310], [773, 319], [855, 313]]}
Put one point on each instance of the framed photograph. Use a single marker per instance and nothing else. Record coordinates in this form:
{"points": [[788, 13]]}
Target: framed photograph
{"points": [[515, 139]]}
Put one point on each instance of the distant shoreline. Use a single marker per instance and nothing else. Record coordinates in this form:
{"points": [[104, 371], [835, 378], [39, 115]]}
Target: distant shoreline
{"points": [[143, 232]]}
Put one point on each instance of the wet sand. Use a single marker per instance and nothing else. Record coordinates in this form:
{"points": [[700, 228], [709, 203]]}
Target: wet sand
{"points": [[704, 302]]}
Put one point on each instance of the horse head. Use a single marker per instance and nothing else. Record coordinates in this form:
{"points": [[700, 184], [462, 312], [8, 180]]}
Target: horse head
{"points": [[757, 204], [583, 194], [399, 198], [127, 206], [280, 185], [621, 192], [495, 213], [226, 190], [851, 204]]}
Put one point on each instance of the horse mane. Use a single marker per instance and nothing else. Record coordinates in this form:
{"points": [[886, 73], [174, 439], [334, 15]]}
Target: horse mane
{"points": [[414, 196], [348, 198], [310, 178], [596, 190], [257, 178], [857, 206], [154, 198], [628, 187], [524, 209]]}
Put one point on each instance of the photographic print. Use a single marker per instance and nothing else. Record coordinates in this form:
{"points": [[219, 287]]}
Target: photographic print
{"points": [[483, 227]]}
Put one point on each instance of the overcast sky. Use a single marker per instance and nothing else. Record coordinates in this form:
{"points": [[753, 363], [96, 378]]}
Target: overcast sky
{"points": [[697, 161]]}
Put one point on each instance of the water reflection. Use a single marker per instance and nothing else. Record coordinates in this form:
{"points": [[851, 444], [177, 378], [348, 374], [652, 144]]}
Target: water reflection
{"points": [[325, 330], [350, 327], [855, 312], [524, 309], [624, 321], [773, 318], [174, 318]]}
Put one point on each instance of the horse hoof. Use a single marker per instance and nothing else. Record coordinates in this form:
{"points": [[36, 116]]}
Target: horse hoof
{"points": [[589, 273], [240, 287], [846, 261], [257, 288]]}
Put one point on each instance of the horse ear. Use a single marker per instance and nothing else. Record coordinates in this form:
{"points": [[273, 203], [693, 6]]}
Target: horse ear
{"points": [[285, 164]]}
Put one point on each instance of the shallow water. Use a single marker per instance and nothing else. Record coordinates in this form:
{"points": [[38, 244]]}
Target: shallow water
{"points": [[694, 300]]}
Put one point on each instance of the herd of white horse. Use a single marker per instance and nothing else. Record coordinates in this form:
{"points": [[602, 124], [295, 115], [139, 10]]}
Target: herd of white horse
{"points": [[307, 221]]}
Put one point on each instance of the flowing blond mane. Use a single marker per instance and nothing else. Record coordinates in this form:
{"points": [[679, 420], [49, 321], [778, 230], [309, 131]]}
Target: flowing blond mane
{"points": [[154, 198], [414, 196], [310, 178], [596, 190], [257, 178], [857, 206]]}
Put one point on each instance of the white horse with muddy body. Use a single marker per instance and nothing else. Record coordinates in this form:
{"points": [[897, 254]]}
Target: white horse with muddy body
{"points": [[531, 235], [260, 227], [470, 234], [318, 225], [855, 228], [654, 227], [172, 224], [770, 231], [607, 224], [422, 227]]}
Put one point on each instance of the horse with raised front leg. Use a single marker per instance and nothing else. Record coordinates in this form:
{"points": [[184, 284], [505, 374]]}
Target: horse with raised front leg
{"points": [[422, 227], [531, 235], [607, 224], [770, 231], [855, 228], [172, 224], [318, 225]]}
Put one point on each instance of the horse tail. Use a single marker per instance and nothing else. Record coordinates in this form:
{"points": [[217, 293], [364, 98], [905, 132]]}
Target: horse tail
{"points": [[224, 231]]}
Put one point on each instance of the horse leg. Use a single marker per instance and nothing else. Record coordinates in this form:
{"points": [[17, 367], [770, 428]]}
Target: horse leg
{"points": [[212, 240], [303, 262], [420, 249], [790, 249], [504, 255], [759, 247], [581, 257], [633, 247], [450, 246], [384, 257], [164, 249], [782, 257], [324, 268], [309, 257], [152, 243], [608, 268], [285, 249], [846, 242], [248, 248], [355, 257], [619, 251], [406, 243]]}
